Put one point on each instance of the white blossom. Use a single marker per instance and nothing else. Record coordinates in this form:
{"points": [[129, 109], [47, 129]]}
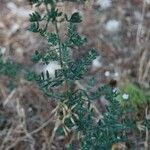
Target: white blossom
{"points": [[148, 2], [51, 67], [116, 74], [12, 6], [104, 3], [14, 28], [96, 63], [2, 50], [125, 96], [112, 26], [21, 12], [115, 90], [107, 73]]}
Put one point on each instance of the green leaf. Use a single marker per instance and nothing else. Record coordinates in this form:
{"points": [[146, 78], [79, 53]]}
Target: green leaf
{"points": [[36, 56], [47, 74], [49, 2], [75, 18], [74, 39], [50, 56], [34, 17], [34, 27], [52, 39]]}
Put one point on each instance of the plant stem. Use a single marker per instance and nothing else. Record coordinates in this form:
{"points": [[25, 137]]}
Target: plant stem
{"points": [[59, 43], [57, 32]]}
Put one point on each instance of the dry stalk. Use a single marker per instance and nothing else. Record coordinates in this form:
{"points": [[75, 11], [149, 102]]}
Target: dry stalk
{"points": [[146, 140], [46, 144], [57, 124], [140, 25], [138, 42], [141, 66], [23, 126], [147, 69], [10, 96], [7, 138], [41, 127]]}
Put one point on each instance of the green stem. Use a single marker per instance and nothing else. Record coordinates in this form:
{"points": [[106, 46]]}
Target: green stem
{"points": [[57, 32]]}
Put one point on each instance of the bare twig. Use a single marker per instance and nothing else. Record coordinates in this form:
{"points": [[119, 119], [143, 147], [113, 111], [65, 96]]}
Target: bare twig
{"points": [[140, 25], [146, 70]]}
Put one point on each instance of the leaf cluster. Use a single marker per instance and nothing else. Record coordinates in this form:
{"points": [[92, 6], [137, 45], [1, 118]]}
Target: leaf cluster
{"points": [[8, 67]]}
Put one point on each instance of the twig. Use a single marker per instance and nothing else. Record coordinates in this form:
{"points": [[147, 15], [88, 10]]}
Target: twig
{"points": [[41, 127], [57, 124], [9, 97], [140, 25], [6, 139], [141, 65], [146, 70]]}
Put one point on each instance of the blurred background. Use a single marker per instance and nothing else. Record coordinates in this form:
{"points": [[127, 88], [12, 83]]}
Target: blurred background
{"points": [[118, 29]]}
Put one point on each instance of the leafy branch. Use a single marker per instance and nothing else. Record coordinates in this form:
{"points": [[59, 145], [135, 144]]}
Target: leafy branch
{"points": [[75, 110]]}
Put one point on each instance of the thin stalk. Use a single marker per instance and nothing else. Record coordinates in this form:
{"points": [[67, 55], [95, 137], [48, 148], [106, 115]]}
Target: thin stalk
{"points": [[59, 43], [57, 32]]}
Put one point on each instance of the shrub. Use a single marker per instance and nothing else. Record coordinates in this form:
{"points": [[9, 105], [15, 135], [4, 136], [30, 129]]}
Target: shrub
{"points": [[75, 111]]}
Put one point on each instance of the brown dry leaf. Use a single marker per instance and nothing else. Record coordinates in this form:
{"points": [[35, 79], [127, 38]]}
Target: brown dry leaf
{"points": [[119, 146]]}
